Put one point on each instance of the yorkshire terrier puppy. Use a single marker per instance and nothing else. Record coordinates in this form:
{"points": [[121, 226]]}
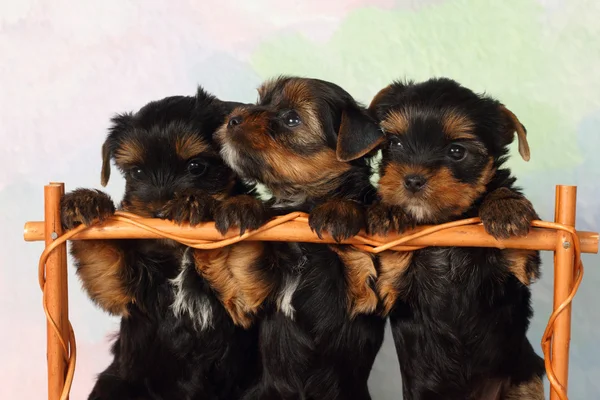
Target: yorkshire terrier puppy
{"points": [[176, 340], [319, 333], [459, 316]]}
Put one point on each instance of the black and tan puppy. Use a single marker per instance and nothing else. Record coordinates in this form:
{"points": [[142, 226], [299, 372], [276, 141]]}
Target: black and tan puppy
{"points": [[318, 335], [459, 315], [176, 340]]}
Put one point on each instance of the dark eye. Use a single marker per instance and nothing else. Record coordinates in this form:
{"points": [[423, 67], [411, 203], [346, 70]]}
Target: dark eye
{"points": [[136, 173], [457, 152], [394, 142], [292, 119], [196, 167]]}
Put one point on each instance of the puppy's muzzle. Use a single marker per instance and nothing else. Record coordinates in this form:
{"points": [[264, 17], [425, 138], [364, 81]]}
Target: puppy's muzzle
{"points": [[414, 183]]}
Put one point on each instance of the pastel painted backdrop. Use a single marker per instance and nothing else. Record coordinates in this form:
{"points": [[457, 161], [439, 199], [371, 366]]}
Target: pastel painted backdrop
{"points": [[67, 66]]}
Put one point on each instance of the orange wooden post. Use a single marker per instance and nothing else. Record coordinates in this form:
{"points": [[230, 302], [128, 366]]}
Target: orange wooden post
{"points": [[564, 258], [55, 289]]}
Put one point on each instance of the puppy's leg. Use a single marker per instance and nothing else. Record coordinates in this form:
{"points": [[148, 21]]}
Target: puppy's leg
{"points": [[100, 263], [192, 206], [235, 273], [341, 218], [529, 390], [359, 268], [392, 266], [383, 218], [110, 386], [506, 213], [523, 264], [244, 211], [527, 374]]}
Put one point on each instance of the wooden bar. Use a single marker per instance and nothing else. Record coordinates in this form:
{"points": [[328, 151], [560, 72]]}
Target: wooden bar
{"points": [[564, 257], [55, 290], [296, 231]]}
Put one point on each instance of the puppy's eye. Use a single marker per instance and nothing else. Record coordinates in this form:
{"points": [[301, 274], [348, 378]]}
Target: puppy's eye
{"points": [[136, 173], [457, 152], [291, 119], [394, 142], [196, 167]]}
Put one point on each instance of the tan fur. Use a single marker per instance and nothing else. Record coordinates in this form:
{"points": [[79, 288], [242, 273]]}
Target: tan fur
{"points": [[232, 272], [441, 192], [396, 122], [266, 87], [100, 269], [189, 145], [129, 153], [518, 264], [532, 390], [448, 191], [521, 134], [392, 265], [457, 126], [359, 270], [316, 168]]}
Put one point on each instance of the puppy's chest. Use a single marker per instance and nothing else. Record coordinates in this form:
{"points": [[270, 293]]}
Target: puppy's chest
{"points": [[431, 271], [335, 285], [163, 255]]}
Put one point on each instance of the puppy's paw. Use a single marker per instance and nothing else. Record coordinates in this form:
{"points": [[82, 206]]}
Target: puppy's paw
{"points": [[192, 206], [383, 218], [245, 212], [84, 206], [341, 218], [505, 213]]}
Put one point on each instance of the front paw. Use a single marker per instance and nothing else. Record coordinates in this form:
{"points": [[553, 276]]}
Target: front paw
{"points": [[192, 206], [383, 218], [84, 206], [343, 219], [505, 214], [245, 212]]}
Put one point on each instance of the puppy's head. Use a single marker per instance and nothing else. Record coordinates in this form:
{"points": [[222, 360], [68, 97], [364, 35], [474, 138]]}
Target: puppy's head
{"points": [[292, 136], [441, 145], [167, 147]]}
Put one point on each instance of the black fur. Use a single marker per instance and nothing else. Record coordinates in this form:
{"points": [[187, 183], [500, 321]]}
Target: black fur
{"points": [[319, 352], [157, 354], [462, 316]]}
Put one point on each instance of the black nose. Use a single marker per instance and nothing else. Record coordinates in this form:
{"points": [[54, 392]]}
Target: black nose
{"points": [[414, 183], [234, 121]]}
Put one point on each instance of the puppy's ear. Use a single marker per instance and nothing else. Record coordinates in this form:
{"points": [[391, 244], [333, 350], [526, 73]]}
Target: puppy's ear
{"points": [[120, 124], [380, 98], [384, 99], [204, 98], [514, 125], [106, 157], [358, 135]]}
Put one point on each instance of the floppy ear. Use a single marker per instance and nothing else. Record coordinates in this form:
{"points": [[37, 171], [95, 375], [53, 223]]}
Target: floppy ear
{"points": [[106, 156], [120, 124], [516, 126], [358, 135]]}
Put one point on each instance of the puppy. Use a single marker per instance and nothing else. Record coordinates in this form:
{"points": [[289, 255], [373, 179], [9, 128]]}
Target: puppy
{"points": [[176, 340], [459, 316], [319, 334]]}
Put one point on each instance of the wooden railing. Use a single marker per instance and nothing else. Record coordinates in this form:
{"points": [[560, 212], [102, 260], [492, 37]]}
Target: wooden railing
{"points": [[559, 237]]}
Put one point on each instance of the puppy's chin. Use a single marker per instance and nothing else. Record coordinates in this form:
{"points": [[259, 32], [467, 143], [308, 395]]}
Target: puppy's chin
{"points": [[232, 158], [420, 212], [419, 208]]}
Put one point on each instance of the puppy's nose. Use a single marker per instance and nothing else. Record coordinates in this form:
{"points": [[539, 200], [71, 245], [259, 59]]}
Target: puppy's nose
{"points": [[235, 121], [414, 183]]}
